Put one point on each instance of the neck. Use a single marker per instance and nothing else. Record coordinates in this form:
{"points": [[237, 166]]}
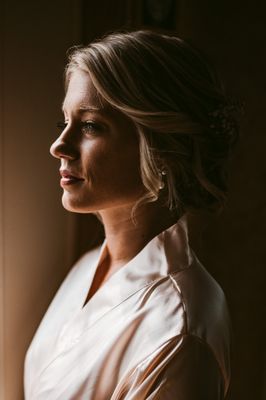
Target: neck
{"points": [[126, 237]]}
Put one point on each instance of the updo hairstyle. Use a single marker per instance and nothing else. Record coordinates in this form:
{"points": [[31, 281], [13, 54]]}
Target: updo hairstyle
{"points": [[185, 123]]}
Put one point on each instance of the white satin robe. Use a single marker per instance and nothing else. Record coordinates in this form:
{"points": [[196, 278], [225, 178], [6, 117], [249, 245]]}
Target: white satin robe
{"points": [[157, 329]]}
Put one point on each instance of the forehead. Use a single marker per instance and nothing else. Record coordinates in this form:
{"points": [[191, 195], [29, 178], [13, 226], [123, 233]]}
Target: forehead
{"points": [[81, 94]]}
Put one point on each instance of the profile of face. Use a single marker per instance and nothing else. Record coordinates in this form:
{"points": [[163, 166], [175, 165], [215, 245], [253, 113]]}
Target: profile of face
{"points": [[99, 151]]}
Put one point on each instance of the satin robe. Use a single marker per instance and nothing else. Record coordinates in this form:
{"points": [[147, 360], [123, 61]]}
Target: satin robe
{"points": [[158, 328]]}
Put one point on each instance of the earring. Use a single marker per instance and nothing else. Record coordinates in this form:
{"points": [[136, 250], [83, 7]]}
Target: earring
{"points": [[162, 174]]}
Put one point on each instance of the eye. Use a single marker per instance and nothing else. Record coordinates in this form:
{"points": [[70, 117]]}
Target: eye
{"points": [[90, 127], [61, 125], [87, 127]]}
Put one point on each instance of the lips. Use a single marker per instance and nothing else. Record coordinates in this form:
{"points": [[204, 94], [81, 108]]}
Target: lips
{"points": [[69, 177]]}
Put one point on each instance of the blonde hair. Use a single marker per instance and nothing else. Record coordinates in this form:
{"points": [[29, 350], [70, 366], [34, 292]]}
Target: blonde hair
{"points": [[171, 94]]}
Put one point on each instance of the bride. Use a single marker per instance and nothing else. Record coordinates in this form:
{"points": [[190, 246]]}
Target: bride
{"points": [[145, 142]]}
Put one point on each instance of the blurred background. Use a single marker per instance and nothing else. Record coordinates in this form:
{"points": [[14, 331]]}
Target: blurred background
{"points": [[39, 240]]}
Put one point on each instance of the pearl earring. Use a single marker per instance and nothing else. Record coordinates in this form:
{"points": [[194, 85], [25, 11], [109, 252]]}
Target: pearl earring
{"points": [[162, 174]]}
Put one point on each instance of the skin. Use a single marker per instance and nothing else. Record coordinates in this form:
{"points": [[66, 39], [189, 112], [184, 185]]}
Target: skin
{"points": [[105, 154]]}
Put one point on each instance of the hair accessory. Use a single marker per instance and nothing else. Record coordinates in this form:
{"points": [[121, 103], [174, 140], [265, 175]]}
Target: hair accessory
{"points": [[225, 119]]}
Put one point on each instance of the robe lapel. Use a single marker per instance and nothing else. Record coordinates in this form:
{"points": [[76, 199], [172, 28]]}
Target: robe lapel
{"points": [[166, 253], [138, 273]]}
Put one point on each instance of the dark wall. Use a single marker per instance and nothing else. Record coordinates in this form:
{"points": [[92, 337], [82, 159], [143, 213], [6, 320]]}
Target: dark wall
{"points": [[233, 35]]}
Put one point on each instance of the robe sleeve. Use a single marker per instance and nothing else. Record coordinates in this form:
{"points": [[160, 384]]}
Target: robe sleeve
{"points": [[184, 368], [192, 373]]}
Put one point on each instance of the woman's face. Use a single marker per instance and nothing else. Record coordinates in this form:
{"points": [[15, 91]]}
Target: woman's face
{"points": [[99, 152]]}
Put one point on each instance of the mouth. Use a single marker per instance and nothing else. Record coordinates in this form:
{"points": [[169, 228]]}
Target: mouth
{"points": [[67, 178]]}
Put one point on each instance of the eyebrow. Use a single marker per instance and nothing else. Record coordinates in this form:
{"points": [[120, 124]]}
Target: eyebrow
{"points": [[84, 108]]}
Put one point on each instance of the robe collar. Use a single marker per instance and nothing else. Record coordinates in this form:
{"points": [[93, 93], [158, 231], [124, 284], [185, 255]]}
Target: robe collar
{"points": [[165, 254]]}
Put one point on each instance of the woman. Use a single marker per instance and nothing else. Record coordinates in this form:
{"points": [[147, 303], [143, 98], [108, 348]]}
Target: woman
{"points": [[145, 142]]}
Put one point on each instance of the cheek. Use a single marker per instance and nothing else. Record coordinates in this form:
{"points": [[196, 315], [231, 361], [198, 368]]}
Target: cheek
{"points": [[126, 179], [113, 168], [113, 178]]}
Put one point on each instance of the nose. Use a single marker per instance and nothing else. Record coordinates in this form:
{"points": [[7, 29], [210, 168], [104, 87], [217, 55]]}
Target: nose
{"points": [[65, 146]]}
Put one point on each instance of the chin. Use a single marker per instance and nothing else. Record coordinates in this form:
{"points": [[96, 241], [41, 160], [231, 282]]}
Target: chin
{"points": [[75, 206], [93, 204]]}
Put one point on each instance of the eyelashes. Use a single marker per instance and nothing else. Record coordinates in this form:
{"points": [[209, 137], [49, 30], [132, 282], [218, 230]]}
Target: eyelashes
{"points": [[90, 127], [85, 127], [61, 125]]}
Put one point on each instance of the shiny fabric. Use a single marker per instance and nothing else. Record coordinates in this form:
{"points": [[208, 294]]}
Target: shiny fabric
{"points": [[157, 329]]}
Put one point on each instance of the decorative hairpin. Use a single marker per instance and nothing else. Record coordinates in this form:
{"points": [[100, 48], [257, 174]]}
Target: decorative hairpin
{"points": [[225, 119]]}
